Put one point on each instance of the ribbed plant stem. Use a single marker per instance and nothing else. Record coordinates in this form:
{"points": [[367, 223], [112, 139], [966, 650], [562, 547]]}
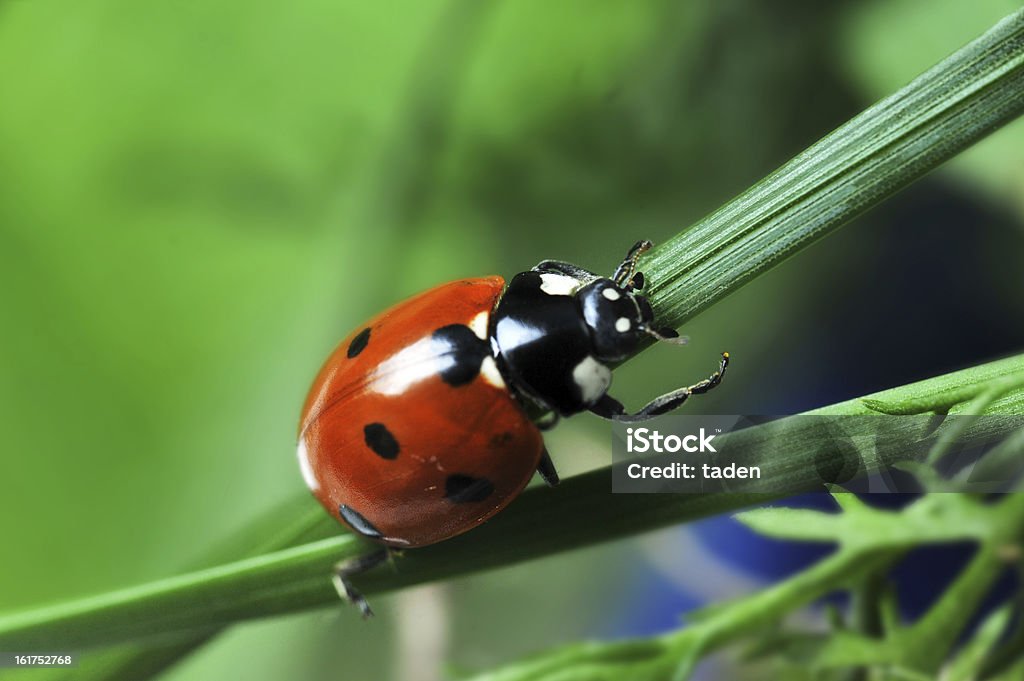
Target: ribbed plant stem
{"points": [[543, 521], [874, 155]]}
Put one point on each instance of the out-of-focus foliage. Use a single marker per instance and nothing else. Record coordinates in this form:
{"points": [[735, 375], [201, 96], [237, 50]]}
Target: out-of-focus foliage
{"points": [[197, 199], [868, 542], [873, 640]]}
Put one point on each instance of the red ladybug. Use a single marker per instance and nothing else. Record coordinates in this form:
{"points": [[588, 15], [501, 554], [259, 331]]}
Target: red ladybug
{"points": [[427, 420]]}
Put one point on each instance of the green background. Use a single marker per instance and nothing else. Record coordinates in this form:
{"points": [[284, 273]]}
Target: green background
{"points": [[199, 199]]}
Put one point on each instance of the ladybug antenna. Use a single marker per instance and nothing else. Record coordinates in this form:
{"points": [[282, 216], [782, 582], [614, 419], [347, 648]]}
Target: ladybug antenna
{"points": [[665, 335], [624, 272]]}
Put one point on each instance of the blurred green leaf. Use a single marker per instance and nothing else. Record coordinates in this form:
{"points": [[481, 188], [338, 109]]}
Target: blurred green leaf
{"points": [[913, 652], [793, 523], [968, 663]]}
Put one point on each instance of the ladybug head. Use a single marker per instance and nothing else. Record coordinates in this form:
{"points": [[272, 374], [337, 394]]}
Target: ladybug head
{"points": [[617, 319]]}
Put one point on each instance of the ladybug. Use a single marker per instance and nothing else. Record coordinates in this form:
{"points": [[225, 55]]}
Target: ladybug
{"points": [[427, 420]]}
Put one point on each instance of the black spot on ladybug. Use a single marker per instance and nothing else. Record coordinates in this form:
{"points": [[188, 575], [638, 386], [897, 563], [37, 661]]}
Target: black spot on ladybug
{"points": [[501, 439], [466, 349], [380, 440], [358, 523], [463, 489], [358, 343]]}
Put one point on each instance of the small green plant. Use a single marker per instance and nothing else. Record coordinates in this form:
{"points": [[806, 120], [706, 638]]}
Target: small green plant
{"points": [[868, 543]]}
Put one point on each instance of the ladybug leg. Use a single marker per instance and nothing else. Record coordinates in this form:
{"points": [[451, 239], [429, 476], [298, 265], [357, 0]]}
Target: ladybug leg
{"points": [[608, 407], [566, 268], [346, 569], [626, 274], [547, 469]]}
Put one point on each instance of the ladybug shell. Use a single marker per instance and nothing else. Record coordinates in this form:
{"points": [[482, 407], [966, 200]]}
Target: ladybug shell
{"points": [[409, 435]]}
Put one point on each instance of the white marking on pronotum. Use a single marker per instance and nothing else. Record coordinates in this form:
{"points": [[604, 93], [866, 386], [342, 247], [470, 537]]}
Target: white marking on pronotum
{"points": [[479, 324], [306, 467], [592, 377], [622, 324], [558, 284], [610, 294], [489, 370]]}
